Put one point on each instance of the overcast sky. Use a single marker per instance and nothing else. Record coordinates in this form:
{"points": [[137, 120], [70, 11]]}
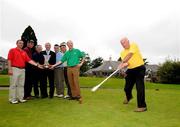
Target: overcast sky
{"points": [[96, 26]]}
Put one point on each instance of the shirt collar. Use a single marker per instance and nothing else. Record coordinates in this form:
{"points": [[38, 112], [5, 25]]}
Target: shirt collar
{"points": [[48, 52], [19, 49], [71, 49]]}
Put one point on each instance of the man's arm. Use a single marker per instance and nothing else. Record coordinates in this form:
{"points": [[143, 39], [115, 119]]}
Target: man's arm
{"points": [[124, 62], [58, 63], [81, 55], [9, 68], [127, 57], [82, 61], [35, 64]]}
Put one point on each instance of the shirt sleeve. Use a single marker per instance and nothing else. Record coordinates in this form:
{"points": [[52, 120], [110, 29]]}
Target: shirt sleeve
{"points": [[81, 54], [10, 54], [133, 48], [64, 58]]}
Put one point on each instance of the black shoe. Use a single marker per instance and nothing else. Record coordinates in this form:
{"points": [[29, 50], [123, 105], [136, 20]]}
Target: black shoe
{"points": [[71, 98], [75, 98], [36, 96], [50, 97], [28, 98], [44, 96]]}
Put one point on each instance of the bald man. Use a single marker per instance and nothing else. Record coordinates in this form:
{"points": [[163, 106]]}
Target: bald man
{"points": [[37, 73], [48, 74], [132, 57], [73, 56]]}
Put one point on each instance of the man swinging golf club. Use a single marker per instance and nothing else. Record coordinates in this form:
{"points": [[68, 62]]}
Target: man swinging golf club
{"points": [[134, 74]]}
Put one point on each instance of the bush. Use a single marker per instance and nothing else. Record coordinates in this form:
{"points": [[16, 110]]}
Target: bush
{"points": [[169, 72], [4, 72]]}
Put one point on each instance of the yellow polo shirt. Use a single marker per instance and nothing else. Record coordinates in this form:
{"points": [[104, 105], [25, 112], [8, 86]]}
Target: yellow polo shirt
{"points": [[136, 59]]}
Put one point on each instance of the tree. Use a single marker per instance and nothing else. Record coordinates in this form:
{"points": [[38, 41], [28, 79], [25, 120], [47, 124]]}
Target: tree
{"points": [[145, 61], [4, 72], [119, 59], [86, 66], [96, 62], [28, 35], [169, 72]]}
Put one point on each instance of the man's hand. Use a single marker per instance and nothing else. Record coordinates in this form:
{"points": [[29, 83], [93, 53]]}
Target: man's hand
{"points": [[79, 65], [10, 72], [122, 65], [51, 67], [123, 74], [40, 66]]}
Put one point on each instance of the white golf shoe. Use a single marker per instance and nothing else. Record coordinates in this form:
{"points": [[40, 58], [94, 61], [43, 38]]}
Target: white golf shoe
{"points": [[14, 102], [61, 95], [22, 100]]}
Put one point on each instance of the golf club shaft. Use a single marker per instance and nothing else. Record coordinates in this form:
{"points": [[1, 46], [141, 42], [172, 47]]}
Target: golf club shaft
{"points": [[108, 77], [96, 87]]}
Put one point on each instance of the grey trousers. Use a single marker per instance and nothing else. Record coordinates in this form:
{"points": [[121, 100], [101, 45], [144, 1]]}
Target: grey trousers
{"points": [[16, 89], [59, 80]]}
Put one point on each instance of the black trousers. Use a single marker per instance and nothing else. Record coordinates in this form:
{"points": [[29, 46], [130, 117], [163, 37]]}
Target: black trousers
{"points": [[67, 82], [136, 76], [47, 75], [37, 79], [28, 82]]}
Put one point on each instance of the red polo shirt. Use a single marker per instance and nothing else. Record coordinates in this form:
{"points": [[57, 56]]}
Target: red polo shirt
{"points": [[18, 57]]}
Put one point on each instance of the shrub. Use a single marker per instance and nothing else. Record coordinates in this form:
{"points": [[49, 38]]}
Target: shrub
{"points": [[169, 72], [4, 72]]}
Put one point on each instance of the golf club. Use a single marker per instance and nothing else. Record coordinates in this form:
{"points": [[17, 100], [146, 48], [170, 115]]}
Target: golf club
{"points": [[96, 87]]}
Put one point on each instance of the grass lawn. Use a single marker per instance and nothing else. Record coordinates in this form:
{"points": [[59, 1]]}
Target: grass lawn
{"points": [[4, 80], [103, 108]]}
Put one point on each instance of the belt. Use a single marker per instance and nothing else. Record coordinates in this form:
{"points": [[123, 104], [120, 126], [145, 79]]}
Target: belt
{"points": [[72, 66], [18, 67], [58, 67]]}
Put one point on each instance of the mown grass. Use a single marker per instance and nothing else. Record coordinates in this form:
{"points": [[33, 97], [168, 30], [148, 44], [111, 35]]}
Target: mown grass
{"points": [[4, 80], [113, 83], [103, 108]]}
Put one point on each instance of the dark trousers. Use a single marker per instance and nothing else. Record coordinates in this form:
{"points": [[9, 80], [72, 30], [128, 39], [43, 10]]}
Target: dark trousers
{"points": [[37, 79], [136, 75], [47, 75], [67, 82], [28, 82]]}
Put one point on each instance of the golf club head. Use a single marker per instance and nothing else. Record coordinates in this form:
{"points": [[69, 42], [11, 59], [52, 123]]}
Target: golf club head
{"points": [[94, 88]]}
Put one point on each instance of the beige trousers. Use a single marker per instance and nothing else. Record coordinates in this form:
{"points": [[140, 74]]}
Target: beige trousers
{"points": [[16, 89]]}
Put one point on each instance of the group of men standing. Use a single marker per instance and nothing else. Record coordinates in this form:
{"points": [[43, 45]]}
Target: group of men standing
{"points": [[52, 66], [28, 69]]}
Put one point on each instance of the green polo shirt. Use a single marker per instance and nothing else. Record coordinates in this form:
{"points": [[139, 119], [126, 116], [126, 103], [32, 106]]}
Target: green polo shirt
{"points": [[72, 57]]}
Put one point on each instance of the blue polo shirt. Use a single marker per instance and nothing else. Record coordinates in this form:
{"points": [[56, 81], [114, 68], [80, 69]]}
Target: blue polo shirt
{"points": [[59, 56]]}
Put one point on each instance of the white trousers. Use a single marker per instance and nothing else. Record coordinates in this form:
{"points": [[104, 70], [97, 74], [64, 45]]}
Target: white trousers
{"points": [[16, 89]]}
